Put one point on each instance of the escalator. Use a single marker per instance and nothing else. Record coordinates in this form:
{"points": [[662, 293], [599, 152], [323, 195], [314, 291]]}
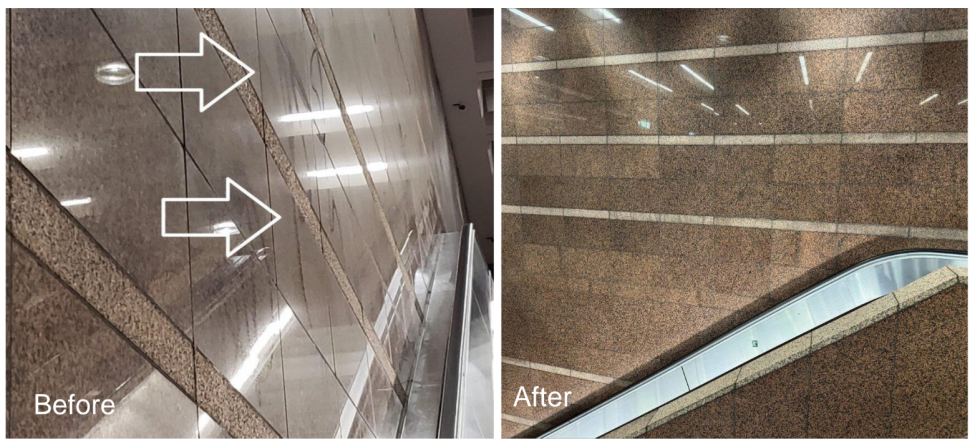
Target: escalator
{"points": [[795, 317], [450, 393]]}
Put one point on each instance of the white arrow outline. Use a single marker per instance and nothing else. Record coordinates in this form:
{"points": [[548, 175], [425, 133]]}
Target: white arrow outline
{"points": [[217, 235], [203, 37]]}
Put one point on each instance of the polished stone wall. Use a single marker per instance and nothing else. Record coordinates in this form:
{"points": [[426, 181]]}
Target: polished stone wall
{"points": [[310, 330], [903, 377], [669, 174]]}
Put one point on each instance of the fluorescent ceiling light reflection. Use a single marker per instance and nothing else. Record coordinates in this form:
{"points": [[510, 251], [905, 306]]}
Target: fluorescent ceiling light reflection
{"points": [[323, 114], [698, 77], [30, 152], [226, 227], [76, 202], [609, 15], [742, 109], [532, 19], [963, 102], [249, 367], [928, 99], [348, 170], [805, 75], [863, 66], [650, 81], [710, 109]]}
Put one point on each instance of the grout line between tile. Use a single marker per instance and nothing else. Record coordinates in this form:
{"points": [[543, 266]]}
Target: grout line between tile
{"points": [[754, 223], [747, 50], [754, 140]]}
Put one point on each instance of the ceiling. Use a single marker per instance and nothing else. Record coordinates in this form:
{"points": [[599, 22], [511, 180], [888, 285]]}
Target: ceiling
{"points": [[462, 48]]}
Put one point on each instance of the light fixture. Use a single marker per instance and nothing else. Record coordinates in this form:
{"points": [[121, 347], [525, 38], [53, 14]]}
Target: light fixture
{"points": [[962, 102], [805, 75], [610, 16], [114, 73], [863, 66], [723, 38], [928, 99], [30, 152], [323, 114], [698, 77], [650, 81], [532, 19], [347, 170], [742, 109], [76, 202]]}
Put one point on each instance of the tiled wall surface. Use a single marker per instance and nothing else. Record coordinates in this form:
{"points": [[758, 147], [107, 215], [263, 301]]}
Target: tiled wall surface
{"points": [[668, 174], [314, 323], [903, 377]]}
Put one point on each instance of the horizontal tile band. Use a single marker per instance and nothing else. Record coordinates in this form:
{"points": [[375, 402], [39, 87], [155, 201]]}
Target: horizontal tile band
{"points": [[756, 140], [525, 422], [563, 371], [752, 223], [745, 50]]}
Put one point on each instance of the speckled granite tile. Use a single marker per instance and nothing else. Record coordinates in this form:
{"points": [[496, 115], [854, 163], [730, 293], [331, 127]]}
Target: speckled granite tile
{"points": [[510, 430], [54, 74], [58, 346], [622, 82], [39, 222], [632, 117], [824, 71], [583, 84], [875, 204], [947, 112], [686, 28], [812, 24], [889, 111], [743, 163], [940, 206], [805, 249], [942, 164], [850, 384], [538, 160], [946, 65], [807, 164], [684, 116], [582, 119], [537, 119], [809, 202], [887, 67], [743, 199], [534, 87], [746, 115], [634, 161], [746, 26], [884, 21], [945, 18], [226, 406], [879, 164], [752, 75], [810, 113], [634, 33], [526, 45], [675, 76], [580, 39], [582, 160], [931, 376]]}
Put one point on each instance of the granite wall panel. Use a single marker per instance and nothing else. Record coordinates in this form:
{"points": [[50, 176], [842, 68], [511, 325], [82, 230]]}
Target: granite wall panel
{"points": [[701, 166]]}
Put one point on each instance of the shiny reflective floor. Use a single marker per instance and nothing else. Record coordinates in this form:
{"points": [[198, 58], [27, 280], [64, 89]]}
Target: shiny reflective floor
{"points": [[313, 323]]}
